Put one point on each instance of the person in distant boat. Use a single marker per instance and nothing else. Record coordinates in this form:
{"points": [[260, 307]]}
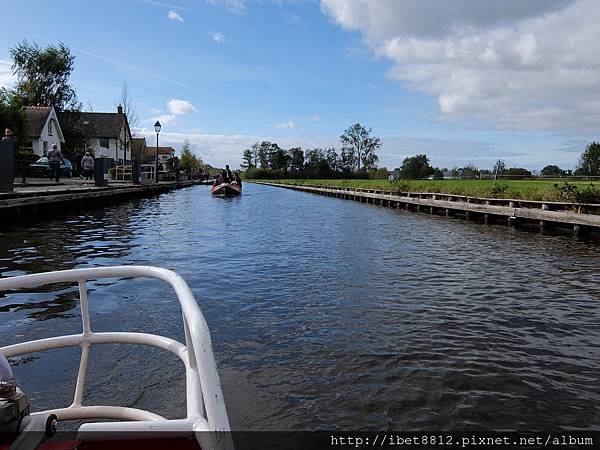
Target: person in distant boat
{"points": [[217, 181], [227, 175], [238, 180]]}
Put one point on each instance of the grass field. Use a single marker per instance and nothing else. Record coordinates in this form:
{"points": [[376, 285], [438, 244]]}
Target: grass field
{"points": [[517, 189]]}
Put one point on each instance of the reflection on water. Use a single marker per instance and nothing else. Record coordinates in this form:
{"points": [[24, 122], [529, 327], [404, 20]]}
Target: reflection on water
{"points": [[324, 313]]}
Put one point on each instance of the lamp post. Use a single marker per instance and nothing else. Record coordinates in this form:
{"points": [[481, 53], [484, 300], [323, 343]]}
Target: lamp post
{"points": [[157, 129]]}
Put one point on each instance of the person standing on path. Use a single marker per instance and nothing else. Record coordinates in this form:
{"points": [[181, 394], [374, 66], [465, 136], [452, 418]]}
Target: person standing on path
{"points": [[54, 160], [87, 164]]}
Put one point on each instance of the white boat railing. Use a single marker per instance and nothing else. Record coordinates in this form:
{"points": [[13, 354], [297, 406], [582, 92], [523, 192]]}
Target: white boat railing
{"points": [[204, 399]]}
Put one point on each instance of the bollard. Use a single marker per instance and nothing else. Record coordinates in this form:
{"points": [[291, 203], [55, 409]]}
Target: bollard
{"points": [[7, 171]]}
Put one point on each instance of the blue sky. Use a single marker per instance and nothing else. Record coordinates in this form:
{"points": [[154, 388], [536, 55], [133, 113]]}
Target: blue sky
{"points": [[464, 85]]}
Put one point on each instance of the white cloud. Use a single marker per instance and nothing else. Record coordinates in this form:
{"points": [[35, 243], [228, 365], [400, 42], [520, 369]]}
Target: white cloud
{"points": [[218, 38], [514, 64], [289, 125], [164, 119], [7, 78], [180, 107], [174, 16]]}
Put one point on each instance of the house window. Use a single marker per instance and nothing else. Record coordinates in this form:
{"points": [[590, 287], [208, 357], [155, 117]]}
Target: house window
{"points": [[104, 142], [50, 127]]}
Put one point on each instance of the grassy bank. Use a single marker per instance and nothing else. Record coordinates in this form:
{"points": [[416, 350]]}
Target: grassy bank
{"points": [[517, 189]]}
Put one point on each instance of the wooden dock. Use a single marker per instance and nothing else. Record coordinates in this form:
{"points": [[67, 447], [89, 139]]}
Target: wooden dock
{"points": [[583, 220], [35, 204]]}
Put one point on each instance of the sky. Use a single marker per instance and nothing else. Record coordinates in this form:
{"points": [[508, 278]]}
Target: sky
{"points": [[463, 81]]}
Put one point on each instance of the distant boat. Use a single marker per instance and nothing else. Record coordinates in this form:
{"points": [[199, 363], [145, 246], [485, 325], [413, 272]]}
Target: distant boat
{"points": [[226, 190]]}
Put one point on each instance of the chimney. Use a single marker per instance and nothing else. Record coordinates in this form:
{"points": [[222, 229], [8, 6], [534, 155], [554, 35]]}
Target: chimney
{"points": [[119, 109]]}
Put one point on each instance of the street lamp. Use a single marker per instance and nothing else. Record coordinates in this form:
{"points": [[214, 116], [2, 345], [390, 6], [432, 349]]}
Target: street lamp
{"points": [[157, 129]]}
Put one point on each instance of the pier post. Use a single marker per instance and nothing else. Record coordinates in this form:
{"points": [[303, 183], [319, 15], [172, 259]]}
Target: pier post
{"points": [[580, 232], [448, 212], [486, 219]]}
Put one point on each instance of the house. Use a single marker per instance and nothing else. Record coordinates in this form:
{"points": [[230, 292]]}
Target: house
{"points": [[139, 148], [107, 134], [44, 128], [164, 155], [393, 174]]}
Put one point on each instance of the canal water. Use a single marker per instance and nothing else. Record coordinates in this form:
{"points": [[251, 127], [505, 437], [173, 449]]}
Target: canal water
{"points": [[325, 314]]}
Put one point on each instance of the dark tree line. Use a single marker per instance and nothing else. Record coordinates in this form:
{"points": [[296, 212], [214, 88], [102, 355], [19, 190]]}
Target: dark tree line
{"points": [[356, 159]]}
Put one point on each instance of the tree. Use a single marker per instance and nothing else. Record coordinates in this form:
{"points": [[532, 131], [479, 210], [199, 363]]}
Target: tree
{"points": [[517, 171], [43, 75], [248, 159], [589, 162], [469, 171], [347, 161], [315, 162], [552, 171], [278, 158], [263, 154], [129, 109], [358, 142], [438, 174], [416, 167], [12, 116], [296, 159], [331, 157], [188, 160]]}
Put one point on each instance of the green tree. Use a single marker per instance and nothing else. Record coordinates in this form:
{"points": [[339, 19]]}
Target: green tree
{"points": [[315, 163], [589, 162], [278, 158], [296, 159], [262, 153], [43, 75], [248, 159], [552, 171], [438, 174], [188, 160], [416, 167], [347, 161], [12, 116], [358, 142], [469, 171], [331, 157], [517, 171]]}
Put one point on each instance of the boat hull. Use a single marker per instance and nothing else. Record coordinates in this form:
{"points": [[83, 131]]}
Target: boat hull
{"points": [[226, 190]]}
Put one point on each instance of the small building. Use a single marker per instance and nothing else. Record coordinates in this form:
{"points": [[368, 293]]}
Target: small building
{"points": [[44, 128], [107, 134], [139, 149], [165, 154], [393, 174]]}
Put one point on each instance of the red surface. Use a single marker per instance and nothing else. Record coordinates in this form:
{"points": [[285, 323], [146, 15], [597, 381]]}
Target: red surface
{"points": [[226, 189]]}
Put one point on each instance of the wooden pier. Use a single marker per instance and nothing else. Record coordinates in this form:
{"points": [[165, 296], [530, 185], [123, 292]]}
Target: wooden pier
{"points": [[38, 203], [583, 220]]}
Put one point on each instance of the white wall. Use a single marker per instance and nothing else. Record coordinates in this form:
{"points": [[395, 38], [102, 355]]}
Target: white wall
{"points": [[113, 148], [55, 138]]}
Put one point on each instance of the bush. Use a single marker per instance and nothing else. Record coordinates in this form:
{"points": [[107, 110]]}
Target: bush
{"points": [[379, 174], [498, 191], [572, 193], [400, 185]]}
